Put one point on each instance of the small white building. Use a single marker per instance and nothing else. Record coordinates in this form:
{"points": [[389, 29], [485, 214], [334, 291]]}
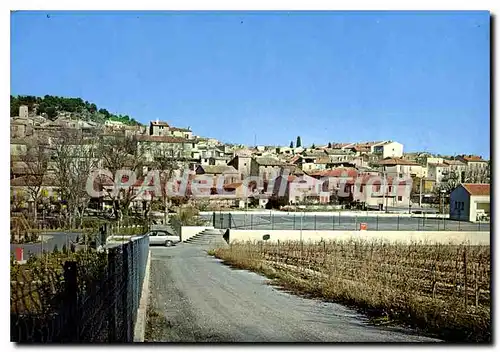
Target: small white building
{"points": [[470, 201], [388, 149]]}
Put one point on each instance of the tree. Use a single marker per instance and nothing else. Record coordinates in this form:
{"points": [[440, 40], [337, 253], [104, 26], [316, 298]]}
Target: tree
{"points": [[93, 108], [329, 145], [36, 160], [122, 153], [51, 112], [168, 158], [291, 144], [298, 144], [313, 146], [75, 157]]}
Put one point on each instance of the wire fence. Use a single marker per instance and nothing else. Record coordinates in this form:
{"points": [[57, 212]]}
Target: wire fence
{"points": [[370, 222], [86, 296]]}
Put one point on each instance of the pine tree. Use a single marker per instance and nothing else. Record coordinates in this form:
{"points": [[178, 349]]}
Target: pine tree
{"points": [[291, 144], [329, 144], [298, 144], [313, 146]]}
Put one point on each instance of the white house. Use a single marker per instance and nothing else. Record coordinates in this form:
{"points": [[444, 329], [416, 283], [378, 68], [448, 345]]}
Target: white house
{"points": [[388, 149], [469, 201], [401, 167]]}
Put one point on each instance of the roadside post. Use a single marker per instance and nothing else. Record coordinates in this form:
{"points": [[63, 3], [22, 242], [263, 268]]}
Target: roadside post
{"points": [[398, 222]]}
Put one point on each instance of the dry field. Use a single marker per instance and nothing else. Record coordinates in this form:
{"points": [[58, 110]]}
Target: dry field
{"points": [[443, 290]]}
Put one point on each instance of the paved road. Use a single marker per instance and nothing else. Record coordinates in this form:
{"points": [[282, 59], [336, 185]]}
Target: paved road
{"points": [[289, 221], [47, 243], [203, 300]]}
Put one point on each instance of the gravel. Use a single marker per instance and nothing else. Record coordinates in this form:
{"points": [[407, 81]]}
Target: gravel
{"points": [[195, 298]]}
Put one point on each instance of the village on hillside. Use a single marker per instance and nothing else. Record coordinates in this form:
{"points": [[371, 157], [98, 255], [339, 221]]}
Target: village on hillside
{"points": [[42, 148]]}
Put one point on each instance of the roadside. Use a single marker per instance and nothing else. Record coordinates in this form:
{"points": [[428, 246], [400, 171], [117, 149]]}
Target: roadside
{"points": [[413, 285]]}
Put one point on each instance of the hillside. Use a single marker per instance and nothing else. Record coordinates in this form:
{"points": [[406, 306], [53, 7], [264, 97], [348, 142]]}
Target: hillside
{"points": [[51, 106]]}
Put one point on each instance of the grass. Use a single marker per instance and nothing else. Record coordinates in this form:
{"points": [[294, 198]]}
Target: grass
{"points": [[442, 290]]}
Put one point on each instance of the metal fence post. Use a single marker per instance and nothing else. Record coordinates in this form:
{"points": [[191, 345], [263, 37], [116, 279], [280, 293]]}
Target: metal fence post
{"points": [[355, 221], [377, 222], [398, 222], [72, 333], [339, 218], [230, 218], [111, 291], [333, 222], [124, 298], [294, 221], [213, 218], [444, 223], [251, 221], [418, 224], [479, 225], [314, 222], [272, 222]]}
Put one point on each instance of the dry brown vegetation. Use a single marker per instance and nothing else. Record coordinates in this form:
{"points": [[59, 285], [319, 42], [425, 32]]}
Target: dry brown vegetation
{"points": [[440, 289]]}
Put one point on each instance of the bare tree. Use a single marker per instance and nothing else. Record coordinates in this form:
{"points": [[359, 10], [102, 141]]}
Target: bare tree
{"points": [[36, 160], [476, 174], [168, 158], [121, 152], [75, 157]]}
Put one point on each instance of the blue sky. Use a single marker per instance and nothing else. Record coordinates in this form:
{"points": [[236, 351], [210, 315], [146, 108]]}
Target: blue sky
{"points": [[421, 78]]}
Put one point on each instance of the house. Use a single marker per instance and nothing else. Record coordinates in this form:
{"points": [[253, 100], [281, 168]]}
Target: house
{"points": [[473, 161], [399, 167], [370, 191], [159, 128], [437, 171], [181, 132], [242, 162], [470, 201], [313, 161], [268, 168], [181, 148], [302, 189], [456, 168], [228, 173], [388, 149]]}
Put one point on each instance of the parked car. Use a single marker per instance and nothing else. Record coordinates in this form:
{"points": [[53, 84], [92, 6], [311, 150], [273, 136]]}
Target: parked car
{"points": [[164, 238]]}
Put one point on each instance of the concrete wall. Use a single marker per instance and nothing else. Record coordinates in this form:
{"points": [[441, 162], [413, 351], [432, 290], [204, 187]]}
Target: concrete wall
{"points": [[445, 237], [190, 231]]}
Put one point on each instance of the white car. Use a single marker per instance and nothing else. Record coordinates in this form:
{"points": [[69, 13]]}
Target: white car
{"points": [[161, 237]]}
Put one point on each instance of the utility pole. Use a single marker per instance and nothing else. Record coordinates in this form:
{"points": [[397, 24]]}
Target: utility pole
{"points": [[420, 194], [386, 190]]}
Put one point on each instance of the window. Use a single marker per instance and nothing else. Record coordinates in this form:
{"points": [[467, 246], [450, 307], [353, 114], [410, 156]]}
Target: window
{"points": [[152, 233], [400, 198]]}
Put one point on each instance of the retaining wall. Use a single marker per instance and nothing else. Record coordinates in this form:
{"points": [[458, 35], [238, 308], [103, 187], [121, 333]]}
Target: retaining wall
{"points": [[445, 237]]}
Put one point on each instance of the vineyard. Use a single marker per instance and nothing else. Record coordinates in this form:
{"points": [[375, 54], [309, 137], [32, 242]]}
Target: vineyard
{"points": [[441, 289]]}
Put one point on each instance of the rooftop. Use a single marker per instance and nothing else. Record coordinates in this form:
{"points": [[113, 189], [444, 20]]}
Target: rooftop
{"points": [[477, 189], [269, 161], [217, 169], [397, 161], [159, 123]]}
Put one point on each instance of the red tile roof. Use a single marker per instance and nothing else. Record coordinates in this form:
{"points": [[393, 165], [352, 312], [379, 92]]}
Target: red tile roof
{"points": [[472, 158], [477, 189]]}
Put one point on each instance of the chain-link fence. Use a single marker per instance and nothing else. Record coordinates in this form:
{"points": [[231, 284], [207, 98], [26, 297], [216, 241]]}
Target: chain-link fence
{"points": [[339, 221], [87, 297]]}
